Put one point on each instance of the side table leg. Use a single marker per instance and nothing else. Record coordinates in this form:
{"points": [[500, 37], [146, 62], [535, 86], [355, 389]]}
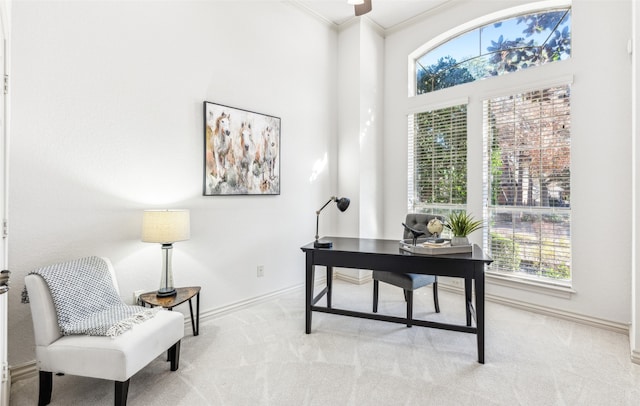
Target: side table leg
{"points": [[194, 327], [198, 313]]}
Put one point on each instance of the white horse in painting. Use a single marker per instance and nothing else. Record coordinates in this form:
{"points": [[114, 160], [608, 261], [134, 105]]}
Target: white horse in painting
{"points": [[221, 141], [270, 151]]}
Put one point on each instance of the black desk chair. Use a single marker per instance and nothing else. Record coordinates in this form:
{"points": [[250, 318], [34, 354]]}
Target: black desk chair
{"points": [[409, 281]]}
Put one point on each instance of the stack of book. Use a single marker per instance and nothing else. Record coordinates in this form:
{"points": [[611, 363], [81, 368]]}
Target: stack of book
{"points": [[434, 247]]}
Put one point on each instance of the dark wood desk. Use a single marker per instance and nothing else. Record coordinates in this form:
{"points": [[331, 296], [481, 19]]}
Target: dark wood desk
{"points": [[386, 255]]}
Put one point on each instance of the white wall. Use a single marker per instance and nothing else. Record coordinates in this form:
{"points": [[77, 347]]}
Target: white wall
{"points": [[107, 121], [601, 147], [360, 124], [371, 129], [348, 177]]}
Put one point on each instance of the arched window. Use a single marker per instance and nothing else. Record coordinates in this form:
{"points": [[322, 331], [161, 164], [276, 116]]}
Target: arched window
{"points": [[526, 131], [495, 49]]}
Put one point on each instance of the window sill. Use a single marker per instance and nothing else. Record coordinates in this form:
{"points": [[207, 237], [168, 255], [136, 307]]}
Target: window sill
{"points": [[557, 290]]}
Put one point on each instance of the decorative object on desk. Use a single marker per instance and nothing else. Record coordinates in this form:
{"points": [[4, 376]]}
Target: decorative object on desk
{"points": [[241, 152], [461, 225], [435, 227], [442, 247], [414, 233], [343, 204], [166, 227]]}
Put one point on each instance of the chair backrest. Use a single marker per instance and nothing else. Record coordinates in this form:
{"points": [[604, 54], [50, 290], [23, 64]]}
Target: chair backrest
{"points": [[419, 221], [43, 312]]}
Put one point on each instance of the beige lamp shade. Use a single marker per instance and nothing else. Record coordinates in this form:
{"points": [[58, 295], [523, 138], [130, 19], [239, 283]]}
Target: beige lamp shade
{"points": [[165, 226]]}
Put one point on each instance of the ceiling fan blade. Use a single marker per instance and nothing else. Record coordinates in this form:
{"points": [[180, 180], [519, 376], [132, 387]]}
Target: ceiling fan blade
{"points": [[363, 8]]}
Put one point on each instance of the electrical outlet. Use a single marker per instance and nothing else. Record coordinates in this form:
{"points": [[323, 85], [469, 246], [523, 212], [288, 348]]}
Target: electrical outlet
{"points": [[136, 296], [260, 271], [456, 282]]}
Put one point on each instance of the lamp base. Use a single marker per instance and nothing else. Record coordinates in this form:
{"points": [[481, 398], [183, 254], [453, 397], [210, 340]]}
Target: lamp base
{"points": [[166, 292], [323, 244]]}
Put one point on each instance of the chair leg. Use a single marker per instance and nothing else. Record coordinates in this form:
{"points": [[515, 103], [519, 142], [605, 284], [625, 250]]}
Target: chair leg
{"points": [[175, 356], [46, 384], [122, 390], [376, 287], [409, 295], [435, 296]]}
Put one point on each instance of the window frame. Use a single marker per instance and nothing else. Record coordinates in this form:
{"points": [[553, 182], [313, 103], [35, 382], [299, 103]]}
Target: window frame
{"points": [[473, 94]]}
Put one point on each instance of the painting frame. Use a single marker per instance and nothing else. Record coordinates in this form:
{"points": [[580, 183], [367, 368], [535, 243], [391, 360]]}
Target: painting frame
{"points": [[241, 152]]}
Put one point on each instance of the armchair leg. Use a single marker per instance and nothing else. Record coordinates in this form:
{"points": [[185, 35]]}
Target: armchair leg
{"points": [[435, 296], [122, 390], [376, 284], [46, 384], [408, 294], [174, 356]]}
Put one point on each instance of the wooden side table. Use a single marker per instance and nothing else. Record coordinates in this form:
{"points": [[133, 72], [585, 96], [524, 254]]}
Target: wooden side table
{"points": [[169, 302]]}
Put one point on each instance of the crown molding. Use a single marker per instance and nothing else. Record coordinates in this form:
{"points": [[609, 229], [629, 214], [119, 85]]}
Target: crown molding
{"points": [[380, 29], [303, 7], [420, 17]]}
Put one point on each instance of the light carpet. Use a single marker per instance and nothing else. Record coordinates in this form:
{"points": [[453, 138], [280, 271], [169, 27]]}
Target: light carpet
{"points": [[261, 356]]}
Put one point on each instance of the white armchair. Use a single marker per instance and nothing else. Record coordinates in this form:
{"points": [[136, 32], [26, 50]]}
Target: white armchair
{"points": [[112, 358]]}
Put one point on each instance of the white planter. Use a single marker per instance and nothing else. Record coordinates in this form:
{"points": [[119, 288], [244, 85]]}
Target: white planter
{"points": [[459, 241]]}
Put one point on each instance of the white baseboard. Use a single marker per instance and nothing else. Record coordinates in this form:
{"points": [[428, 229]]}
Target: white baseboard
{"points": [[359, 280], [243, 304], [23, 371], [548, 311]]}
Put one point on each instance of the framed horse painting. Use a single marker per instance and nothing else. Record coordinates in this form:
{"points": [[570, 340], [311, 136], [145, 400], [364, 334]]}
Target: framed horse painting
{"points": [[241, 152]]}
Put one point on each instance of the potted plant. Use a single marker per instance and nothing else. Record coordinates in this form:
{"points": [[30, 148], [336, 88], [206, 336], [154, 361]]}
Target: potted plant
{"points": [[461, 225]]}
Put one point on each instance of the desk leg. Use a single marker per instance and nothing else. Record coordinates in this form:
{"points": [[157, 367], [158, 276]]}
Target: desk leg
{"points": [[479, 280], [308, 291], [467, 299], [329, 285]]}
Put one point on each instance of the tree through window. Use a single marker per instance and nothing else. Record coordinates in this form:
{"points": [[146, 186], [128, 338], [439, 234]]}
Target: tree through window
{"points": [[495, 49], [528, 159], [438, 160]]}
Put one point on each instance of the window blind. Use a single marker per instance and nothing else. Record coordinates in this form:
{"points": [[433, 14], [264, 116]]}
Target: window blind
{"points": [[438, 160], [527, 176]]}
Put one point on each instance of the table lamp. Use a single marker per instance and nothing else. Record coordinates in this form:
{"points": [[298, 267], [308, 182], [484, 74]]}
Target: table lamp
{"points": [[343, 204], [165, 227]]}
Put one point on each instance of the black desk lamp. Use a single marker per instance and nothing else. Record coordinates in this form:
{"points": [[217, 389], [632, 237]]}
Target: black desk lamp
{"points": [[343, 204]]}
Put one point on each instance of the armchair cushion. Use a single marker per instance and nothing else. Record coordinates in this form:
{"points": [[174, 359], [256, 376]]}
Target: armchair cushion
{"points": [[116, 358]]}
